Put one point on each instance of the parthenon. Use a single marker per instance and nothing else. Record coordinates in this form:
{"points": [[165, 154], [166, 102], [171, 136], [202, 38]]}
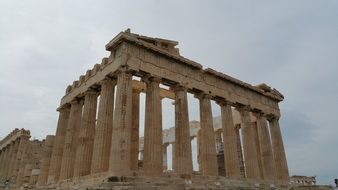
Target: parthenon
{"points": [[97, 134]]}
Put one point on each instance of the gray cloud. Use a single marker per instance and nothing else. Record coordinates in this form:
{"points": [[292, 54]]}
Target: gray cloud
{"points": [[291, 45]]}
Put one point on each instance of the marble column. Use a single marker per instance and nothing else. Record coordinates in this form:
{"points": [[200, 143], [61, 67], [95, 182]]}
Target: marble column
{"points": [[208, 145], [45, 162], [282, 171], [25, 160], [182, 150], [219, 142], [57, 153], [23, 141], [122, 126], [249, 147], [135, 124], [230, 147], [153, 161], [165, 156], [2, 153], [268, 163], [199, 145], [258, 149], [85, 145], [172, 155], [240, 151], [71, 139], [12, 163], [103, 134], [5, 160], [9, 160]]}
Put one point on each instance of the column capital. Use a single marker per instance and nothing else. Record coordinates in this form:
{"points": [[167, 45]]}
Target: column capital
{"points": [[178, 87], [258, 114], [63, 107], [203, 95], [243, 108], [138, 91], [108, 80], [90, 91], [223, 102], [166, 144], [271, 117], [151, 78], [123, 69], [76, 100]]}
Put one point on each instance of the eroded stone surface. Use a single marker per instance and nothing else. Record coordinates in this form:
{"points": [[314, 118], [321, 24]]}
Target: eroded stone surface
{"points": [[88, 150]]}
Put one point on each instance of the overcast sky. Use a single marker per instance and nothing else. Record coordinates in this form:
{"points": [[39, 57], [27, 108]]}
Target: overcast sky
{"points": [[290, 45]]}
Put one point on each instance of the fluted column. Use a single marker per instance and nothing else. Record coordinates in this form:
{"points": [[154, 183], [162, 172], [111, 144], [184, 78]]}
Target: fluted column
{"points": [[3, 164], [199, 145], [25, 160], [71, 139], [258, 149], [153, 161], [84, 151], [2, 154], [103, 134], [240, 152], [45, 162], [122, 126], [23, 141], [182, 151], [208, 145], [165, 156], [268, 163], [218, 139], [249, 146], [135, 123], [12, 162], [57, 153], [282, 171], [9, 160], [230, 148]]}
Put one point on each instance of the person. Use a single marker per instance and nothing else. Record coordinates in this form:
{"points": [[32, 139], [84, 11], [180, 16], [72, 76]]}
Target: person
{"points": [[336, 182]]}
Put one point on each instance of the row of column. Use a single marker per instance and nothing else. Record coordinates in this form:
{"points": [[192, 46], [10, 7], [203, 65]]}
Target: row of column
{"points": [[83, 146], [264, 156], [13, 159]]}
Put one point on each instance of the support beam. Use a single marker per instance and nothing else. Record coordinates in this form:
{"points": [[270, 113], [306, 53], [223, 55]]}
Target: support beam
{"points": [[182, 146], [69, 151], [282, 170], [134, 146], [268, 163], [11, 170], [122, 126], [153, 161], [45, 162], [57, 154], [258, 149], [230, 147], [165, 156], [250, 151], [208, 156], [85, 144], [103, 134]]}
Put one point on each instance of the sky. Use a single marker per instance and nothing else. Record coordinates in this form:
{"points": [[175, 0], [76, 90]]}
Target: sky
{"points": [[290, 45]]}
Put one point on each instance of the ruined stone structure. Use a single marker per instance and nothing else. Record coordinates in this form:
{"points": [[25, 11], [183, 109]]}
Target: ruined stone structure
{"points": [[105, 142], [115, 134], [298, 180], [20, 158]]}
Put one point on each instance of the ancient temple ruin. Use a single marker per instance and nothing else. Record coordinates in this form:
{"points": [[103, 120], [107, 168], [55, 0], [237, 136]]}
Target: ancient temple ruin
{"points": [[105, 142]]}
